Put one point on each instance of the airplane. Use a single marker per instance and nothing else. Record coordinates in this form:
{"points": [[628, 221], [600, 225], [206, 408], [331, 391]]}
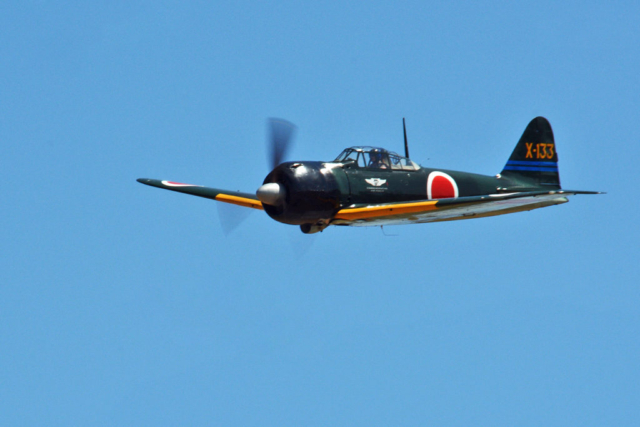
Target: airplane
{"points": [[371, 186]]}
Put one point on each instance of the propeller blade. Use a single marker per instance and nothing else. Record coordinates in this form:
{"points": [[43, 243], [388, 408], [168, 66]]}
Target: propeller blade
{"points": [[231, 216], [281, 135]]}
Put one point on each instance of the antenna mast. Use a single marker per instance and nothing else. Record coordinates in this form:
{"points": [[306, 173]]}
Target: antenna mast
{"points": [[406, 144]]}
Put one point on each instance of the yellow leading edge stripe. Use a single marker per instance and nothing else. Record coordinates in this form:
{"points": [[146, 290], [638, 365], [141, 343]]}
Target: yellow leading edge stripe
{"points": [[386, 210], [241, 201], [347, 214]]}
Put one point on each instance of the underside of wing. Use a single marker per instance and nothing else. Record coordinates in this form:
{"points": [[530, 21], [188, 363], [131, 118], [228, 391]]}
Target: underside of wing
{"points": [[450, 209], [247, 200]]}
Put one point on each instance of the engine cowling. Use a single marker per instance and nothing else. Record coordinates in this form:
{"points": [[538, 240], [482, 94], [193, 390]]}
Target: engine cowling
{"points": [[300, 193]]}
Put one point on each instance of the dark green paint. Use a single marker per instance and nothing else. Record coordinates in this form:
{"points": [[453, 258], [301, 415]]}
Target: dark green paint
{"points": [[195, 190], [316, 191]]}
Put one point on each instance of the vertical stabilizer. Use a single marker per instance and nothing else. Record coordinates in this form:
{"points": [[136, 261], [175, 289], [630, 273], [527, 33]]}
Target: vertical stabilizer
{"points": [[534, 161]]}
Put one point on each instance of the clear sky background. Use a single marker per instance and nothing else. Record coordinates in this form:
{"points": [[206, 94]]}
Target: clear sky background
{"points": [[122, 304]]}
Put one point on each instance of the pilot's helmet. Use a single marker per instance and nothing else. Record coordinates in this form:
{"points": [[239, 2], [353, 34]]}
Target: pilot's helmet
{"points": [[375, 155]]}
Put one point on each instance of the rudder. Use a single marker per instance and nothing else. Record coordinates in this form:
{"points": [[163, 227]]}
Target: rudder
{"points": [[534, 161]]}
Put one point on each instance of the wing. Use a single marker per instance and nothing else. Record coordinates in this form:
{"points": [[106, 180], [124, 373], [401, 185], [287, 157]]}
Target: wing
{"points": [[451, 209], [247, 200]]}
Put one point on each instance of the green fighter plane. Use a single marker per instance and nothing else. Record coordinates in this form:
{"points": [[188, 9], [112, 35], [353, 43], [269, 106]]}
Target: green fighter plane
{"points": [[370, 186]]}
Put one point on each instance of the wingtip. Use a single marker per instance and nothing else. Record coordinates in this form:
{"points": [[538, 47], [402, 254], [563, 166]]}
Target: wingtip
{"points": [[143, 180]]}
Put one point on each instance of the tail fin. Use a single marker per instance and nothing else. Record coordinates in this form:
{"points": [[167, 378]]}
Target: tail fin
{"points": [[534, 161]]}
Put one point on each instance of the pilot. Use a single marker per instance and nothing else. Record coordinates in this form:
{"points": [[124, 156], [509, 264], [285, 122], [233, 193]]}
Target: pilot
{"points": [[375, 160]]}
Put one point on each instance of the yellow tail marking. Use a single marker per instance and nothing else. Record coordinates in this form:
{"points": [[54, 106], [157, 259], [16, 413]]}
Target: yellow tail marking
{"points": [[385, 210], [240, 201]]}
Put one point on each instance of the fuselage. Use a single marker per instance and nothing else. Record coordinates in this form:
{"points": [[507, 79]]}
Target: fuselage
{"points": [[314, 191]]}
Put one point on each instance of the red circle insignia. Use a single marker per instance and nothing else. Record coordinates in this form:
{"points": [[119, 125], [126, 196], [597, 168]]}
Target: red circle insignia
{"points": [[441, 186]]}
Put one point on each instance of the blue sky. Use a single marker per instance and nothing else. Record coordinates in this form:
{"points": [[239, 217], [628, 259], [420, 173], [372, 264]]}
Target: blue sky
{"points": [[122, 304]]}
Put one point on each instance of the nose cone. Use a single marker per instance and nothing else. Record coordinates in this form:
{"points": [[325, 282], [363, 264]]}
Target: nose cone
{"points": [[271, 193]]}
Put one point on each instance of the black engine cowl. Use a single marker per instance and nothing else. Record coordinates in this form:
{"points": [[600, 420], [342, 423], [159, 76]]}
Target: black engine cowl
{"points": [[311, 194]]}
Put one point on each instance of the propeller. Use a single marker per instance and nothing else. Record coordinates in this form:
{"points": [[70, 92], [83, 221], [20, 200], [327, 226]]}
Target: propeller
{"points": [[231, 216], [281, 135]]}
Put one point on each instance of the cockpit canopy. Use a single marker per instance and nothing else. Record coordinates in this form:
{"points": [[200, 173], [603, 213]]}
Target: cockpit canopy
{"points": [[377, 158]]}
